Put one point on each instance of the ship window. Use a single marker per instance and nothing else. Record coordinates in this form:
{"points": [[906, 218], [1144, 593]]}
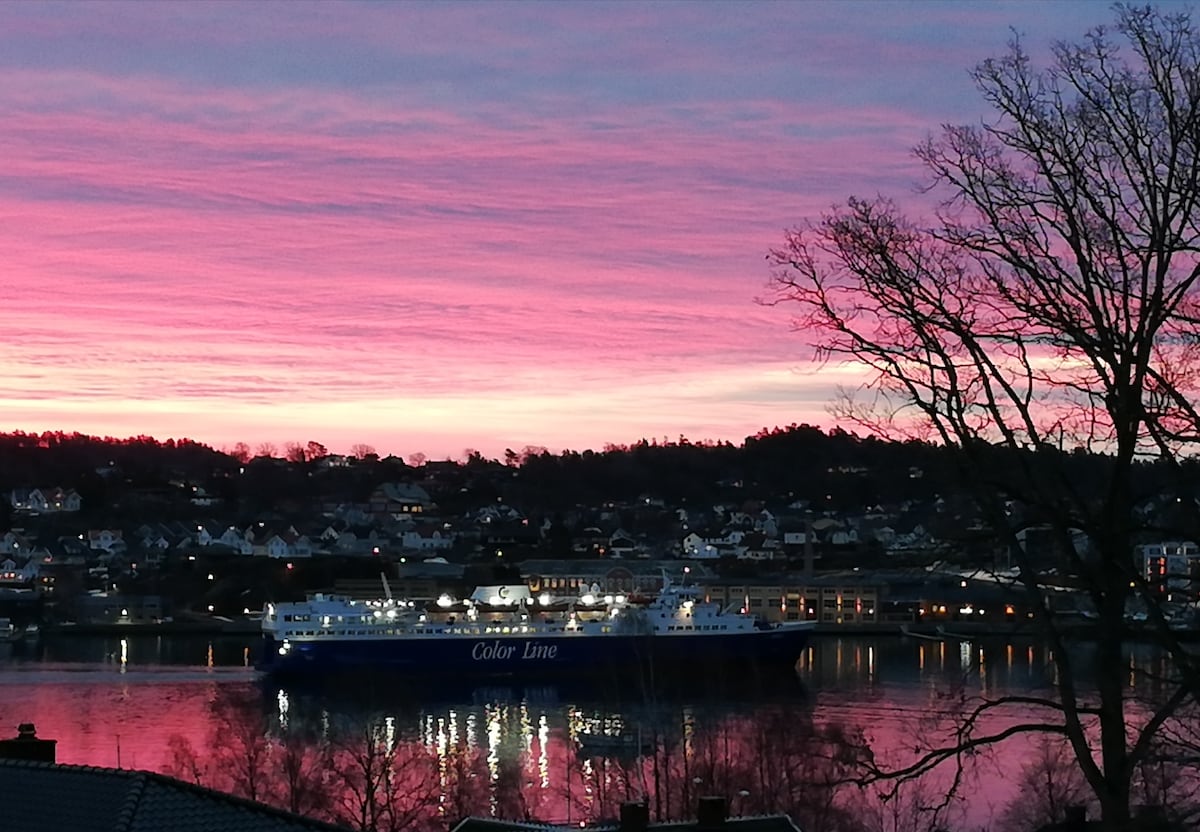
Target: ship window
{"points": [[287, 618]]}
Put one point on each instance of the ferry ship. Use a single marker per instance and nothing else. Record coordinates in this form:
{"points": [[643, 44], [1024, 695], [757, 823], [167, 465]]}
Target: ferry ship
{"points": [[506, 631]]}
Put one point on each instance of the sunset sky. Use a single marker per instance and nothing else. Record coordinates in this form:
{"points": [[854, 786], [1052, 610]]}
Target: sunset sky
{"points": [[431, 227]]}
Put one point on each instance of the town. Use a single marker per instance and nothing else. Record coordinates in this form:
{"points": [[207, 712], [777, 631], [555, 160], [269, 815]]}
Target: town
{"points": [[855, 534]]}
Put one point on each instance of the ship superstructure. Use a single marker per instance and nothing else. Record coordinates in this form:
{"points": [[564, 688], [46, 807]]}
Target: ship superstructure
{"points": [[506, 630]]}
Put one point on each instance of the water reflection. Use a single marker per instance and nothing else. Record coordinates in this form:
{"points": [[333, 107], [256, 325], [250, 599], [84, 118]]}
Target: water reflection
{"points": [[554, 751]]}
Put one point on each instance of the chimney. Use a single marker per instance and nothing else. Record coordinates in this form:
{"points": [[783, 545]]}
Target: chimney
{"points": [[27, 746], [1075, 819], [635, 817], [711, 813]]}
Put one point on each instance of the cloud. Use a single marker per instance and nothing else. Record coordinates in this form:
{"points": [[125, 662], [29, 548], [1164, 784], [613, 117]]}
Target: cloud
{"points": [[406, 210]]}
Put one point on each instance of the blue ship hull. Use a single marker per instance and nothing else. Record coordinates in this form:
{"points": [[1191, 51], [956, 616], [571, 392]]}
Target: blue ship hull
{"points": [[532, 656]]}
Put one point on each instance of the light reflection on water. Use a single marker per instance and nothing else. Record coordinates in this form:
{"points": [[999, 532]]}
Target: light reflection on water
{"points": [[121, 700]]}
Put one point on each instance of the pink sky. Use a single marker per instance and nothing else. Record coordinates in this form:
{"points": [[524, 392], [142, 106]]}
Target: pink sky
{"points": [[431, 227]]}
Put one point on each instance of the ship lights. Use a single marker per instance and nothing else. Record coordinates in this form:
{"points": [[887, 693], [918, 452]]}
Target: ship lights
{"points": [[391, 613], [444, 601], [687, 605], [545, 599], [588, 599], [621, 599]]}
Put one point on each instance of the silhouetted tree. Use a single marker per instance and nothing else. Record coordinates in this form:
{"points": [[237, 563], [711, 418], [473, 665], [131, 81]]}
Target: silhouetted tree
{"points": [[363, 451], [1049, 782], [1053, 304], [241, 452], [382, 783]]}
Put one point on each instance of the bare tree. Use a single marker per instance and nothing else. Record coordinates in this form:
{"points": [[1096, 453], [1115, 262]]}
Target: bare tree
{"points": [[266, 449], [295, 453], [1049, 783], [383, 784], [1052, 305], [362, 451], [185, 762], [917, 806], [243, 756], [240, 750], [301, 785]]}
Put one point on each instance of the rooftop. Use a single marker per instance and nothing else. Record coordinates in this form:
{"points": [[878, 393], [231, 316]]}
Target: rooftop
{"points": [[38, 796]]}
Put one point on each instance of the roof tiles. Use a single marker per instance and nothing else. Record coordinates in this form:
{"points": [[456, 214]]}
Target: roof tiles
{"points": [[40, 796]]}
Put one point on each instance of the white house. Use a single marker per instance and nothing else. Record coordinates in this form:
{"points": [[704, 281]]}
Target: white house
{"points": [[12, 573], [13, 543], [43, 501], [230, 537], [105, 539], [698, 548], [284, 546], [427, 538]]}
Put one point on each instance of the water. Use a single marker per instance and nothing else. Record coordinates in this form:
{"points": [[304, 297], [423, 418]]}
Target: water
{"points": [[572, 750]]}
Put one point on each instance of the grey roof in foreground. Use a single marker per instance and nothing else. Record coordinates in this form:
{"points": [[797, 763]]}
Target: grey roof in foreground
{"points": [[37, 796]]}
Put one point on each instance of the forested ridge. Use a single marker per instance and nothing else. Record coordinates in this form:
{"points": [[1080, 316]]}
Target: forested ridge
{"points": [[831, 470]]}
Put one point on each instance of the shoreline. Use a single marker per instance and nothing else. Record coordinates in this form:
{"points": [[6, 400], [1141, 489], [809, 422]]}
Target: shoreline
{"points": [[167, 628], [955, 631]]}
